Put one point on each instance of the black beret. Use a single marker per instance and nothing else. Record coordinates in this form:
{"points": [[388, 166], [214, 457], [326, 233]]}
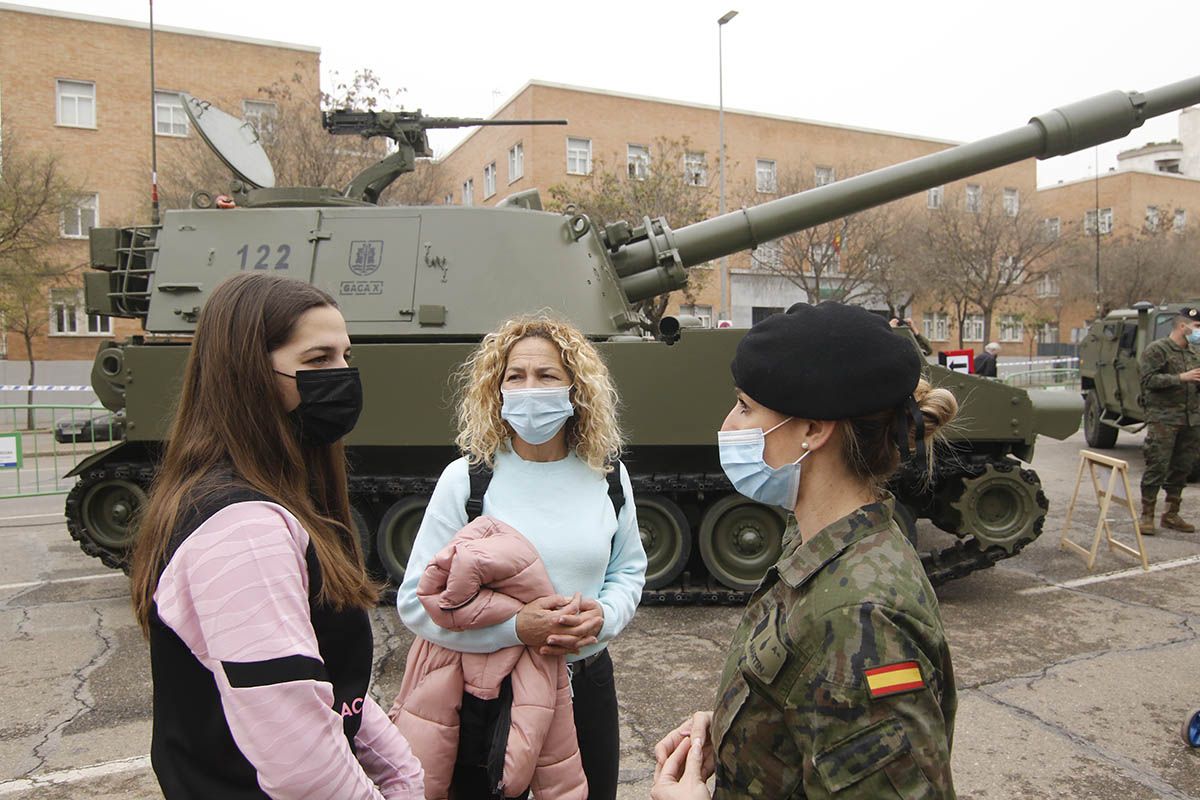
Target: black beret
{"points": [[1192, 314], [828, 361]]}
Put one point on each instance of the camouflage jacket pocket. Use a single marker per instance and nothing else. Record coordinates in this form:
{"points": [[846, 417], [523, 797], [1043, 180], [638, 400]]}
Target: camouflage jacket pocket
{"points": [[863, 754]]}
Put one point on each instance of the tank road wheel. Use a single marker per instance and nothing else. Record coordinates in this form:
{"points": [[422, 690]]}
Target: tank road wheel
{"points": [[1003, 506], [396, 534], [102, 516], [739, 540], [666, 538], [1096, 432]]}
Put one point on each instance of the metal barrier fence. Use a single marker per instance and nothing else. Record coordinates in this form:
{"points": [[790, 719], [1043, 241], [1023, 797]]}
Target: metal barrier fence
{"points": [[40, 443]]}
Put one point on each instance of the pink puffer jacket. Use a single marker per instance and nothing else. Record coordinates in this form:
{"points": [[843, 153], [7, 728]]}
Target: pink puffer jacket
{"points": [[483, 577]]}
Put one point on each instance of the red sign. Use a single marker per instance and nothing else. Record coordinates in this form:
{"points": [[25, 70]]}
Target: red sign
{"points": [[958, 360]]}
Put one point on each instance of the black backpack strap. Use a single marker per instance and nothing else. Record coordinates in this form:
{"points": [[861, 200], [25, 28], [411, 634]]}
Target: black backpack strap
{"points": [[480, 476], [616, 492]]}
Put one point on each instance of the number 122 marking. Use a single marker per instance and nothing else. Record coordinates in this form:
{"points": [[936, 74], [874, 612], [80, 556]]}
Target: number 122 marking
{"points": [[264, 256]]}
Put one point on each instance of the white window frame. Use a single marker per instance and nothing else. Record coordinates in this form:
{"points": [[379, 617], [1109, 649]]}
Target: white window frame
{"points": [[637, 161], [448, 199], [704, 313], [1053, 227], [468, 190], [828, 256], [823, 176], [262, 114], [169, 117], [67, 310], [516, 162], [64, 90], [579, 156], [1047, 285], [935, 197], [765, 177], [768, 255], [973, 199], [1180, 221], [71, 221], [973, 328], [489, 180], [1012, 328], [1012, 202], [695, 169], [1045, 330], [936, 326], [1153, 218], [1089, 221]]}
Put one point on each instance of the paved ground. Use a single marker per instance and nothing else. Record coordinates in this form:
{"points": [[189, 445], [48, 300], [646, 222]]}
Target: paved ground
{"points": [[1065, 691]]}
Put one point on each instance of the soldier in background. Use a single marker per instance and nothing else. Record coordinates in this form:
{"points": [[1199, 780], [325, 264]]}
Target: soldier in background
{"points": [[1170, 372], [838, 681], [922, 342]]}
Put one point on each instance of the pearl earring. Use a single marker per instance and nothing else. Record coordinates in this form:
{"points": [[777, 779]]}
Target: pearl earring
{"points": [[804, 445]]}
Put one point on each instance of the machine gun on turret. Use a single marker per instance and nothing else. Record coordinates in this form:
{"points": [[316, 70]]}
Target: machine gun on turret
{"points": [[407, 129]]}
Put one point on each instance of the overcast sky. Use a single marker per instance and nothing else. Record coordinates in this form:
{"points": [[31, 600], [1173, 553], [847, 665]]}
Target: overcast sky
{"points": [[949, 69]]}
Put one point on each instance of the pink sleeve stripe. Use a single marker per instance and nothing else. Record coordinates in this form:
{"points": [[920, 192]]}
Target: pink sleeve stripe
{"points": [[386, 756]]}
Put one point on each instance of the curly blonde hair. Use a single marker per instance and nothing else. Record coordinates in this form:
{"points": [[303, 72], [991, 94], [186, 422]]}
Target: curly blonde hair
{"points": [[593, 432]]}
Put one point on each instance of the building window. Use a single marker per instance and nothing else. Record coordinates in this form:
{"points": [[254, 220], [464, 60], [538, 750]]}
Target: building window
{"points": [[1047, 285], [76, 104], [936, 326], [579, 156], [823, 175], [1106, 221], [759, 313], [973, 328], [826, 258], [702, 313], [1151, 218], [1180, 219], [1048, 333], [81, 217], [695, 169], [764, 176], [516, 162], [767, 255], [1052, 227], [489, 180], [448, 199], [974, 198], [1078, 335], [933, 198], [637, 159], [169, 117], [262, 114], [68, 317], [1012, 202], [1012, 329], [469, 192]]}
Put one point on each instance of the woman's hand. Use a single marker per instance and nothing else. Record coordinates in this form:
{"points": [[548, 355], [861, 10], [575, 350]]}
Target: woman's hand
{"points": [[696, 728], [681, 776], [575, 631], [540, 618]]}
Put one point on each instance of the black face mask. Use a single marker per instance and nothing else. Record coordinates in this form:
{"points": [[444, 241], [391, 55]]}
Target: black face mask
{"points": [[330, 402]]}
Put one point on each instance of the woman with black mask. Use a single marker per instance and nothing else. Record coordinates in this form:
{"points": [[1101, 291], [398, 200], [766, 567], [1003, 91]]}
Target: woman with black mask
{"points": [[247, 578]]}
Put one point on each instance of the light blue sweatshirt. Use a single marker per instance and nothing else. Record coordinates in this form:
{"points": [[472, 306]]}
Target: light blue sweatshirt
{"points": [[562, 507]]}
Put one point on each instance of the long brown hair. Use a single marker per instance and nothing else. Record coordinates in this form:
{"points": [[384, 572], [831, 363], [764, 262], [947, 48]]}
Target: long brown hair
{"points": [[230, 418]]}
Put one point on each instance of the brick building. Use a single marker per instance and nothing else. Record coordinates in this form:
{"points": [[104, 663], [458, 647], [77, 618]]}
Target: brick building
{"points": [[77, 86], [761, 149]]}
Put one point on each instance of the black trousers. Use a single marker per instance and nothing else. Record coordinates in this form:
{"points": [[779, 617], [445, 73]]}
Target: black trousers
{"points": [[595, 705]]}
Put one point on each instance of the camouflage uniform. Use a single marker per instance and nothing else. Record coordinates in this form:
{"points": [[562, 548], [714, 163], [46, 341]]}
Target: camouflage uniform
{"points": [[1173, 413], [799, 713]]}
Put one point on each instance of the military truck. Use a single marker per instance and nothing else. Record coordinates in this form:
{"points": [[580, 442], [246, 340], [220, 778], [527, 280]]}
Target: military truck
{"points": [[419, 286], [1110, 379]]}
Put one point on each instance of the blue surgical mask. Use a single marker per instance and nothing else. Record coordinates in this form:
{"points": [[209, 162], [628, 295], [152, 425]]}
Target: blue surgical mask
{"points": [[1193, 336], [536, 415], [742, 460]]}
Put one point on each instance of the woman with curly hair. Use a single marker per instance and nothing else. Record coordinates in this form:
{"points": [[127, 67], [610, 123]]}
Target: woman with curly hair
{"points": [[537, 426]]}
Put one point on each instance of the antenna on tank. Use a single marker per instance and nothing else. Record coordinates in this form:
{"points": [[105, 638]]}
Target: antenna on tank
{"points": [[154, 214]]}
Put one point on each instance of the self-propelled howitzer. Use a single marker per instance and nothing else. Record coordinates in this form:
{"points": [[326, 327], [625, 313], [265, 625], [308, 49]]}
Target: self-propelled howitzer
{"points": [[419, 286]]}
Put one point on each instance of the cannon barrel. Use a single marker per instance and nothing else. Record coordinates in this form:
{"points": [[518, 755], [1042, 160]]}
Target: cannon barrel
{"points": [[1063, 130]]}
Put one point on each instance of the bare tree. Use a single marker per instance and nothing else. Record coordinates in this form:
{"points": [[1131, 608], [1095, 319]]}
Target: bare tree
{"points": [[855, 259], [673, 184], [979, 256], [34, 192]]}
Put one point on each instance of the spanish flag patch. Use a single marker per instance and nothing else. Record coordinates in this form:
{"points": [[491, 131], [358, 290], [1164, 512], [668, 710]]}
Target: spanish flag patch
{"points": [[894, 679]]}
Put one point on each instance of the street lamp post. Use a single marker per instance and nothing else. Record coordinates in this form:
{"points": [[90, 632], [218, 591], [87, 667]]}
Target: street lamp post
{"points": [[724, 311]]}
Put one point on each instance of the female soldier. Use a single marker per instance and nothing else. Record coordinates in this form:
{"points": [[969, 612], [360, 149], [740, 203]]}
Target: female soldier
{"points": [[838, 681], [246, 577], [538, 429]]}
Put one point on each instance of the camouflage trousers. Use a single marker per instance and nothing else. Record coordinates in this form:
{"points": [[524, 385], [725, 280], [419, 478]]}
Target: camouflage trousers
{"points": [[1171, 452]]}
